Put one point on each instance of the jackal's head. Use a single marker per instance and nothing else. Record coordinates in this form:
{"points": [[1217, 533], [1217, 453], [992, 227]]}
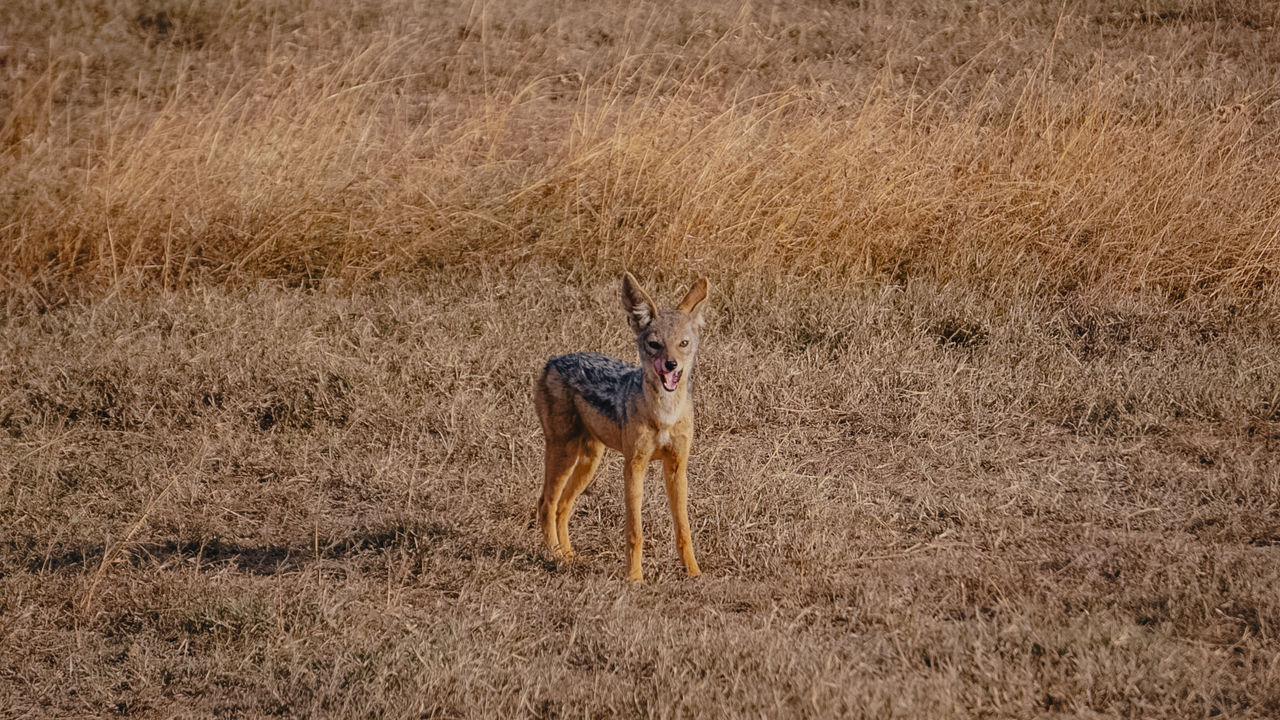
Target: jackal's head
{"points": [[667, 340]]}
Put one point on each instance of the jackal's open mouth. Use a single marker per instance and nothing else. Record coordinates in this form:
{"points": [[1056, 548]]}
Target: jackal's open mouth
{"points": [[670, 378]]}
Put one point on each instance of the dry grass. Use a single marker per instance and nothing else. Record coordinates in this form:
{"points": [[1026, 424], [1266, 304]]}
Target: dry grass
{"points": [[907, 501], [1117, 144], [989, 413]]}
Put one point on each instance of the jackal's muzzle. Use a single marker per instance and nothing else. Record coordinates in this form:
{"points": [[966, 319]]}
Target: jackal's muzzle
{"points": [[670, 378]]}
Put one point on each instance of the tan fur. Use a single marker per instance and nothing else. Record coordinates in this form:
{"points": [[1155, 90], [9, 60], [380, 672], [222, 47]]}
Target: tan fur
{"points": [[658, 426]]}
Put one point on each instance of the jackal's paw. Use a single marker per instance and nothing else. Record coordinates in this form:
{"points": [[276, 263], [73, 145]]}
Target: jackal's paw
{"points": [[561, 553]]}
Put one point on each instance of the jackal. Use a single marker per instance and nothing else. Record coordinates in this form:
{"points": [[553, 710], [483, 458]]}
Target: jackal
{"points": [[587, 401]]}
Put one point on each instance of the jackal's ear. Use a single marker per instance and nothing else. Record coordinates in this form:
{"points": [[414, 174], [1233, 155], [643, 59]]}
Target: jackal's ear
{"points": [[639, 306], [693, 302]]}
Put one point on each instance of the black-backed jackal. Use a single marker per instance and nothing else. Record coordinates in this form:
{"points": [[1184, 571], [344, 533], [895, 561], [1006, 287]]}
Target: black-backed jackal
{"points": [[587, 401]]}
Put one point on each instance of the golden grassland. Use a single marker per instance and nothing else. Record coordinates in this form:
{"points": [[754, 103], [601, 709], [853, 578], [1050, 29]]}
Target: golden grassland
{"points": [[1126, 144], [988, 408]]}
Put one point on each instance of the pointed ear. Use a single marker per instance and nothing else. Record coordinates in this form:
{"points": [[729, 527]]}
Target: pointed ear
{"points": [[692, 303], [639, 306]]}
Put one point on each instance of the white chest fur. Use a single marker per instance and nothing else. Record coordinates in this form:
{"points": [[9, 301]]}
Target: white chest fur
{"points": [[664, 417]]}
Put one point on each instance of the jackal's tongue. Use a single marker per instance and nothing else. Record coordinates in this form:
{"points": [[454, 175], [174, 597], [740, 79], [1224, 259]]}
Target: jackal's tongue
{"points": [[670, 379]]}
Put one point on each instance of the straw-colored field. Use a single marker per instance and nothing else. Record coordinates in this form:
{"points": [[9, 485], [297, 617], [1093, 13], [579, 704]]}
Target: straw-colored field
{"points": [[988, 405]]}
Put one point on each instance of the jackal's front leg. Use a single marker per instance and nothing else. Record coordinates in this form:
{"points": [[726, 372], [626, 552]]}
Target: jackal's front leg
{"points": [[673, 472], [633, 478]]}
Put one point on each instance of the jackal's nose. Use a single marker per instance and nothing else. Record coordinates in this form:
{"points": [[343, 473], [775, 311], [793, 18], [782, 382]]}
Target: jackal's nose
{"points": [[671, 365]]}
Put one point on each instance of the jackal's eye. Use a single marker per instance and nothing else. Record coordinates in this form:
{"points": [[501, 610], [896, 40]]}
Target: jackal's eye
{"points": [[684, 343], [655, 345]]}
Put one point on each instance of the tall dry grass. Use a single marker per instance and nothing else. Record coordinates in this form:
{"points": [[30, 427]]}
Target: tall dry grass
{"points": [[1122, 145]]}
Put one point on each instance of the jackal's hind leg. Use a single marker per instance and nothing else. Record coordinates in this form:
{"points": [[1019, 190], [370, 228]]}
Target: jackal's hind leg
{"points": [[561, 456], [588, 460]]}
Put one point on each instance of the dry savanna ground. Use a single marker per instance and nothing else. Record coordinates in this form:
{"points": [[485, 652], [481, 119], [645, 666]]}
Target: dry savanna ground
{"points": [[988, 408]]}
